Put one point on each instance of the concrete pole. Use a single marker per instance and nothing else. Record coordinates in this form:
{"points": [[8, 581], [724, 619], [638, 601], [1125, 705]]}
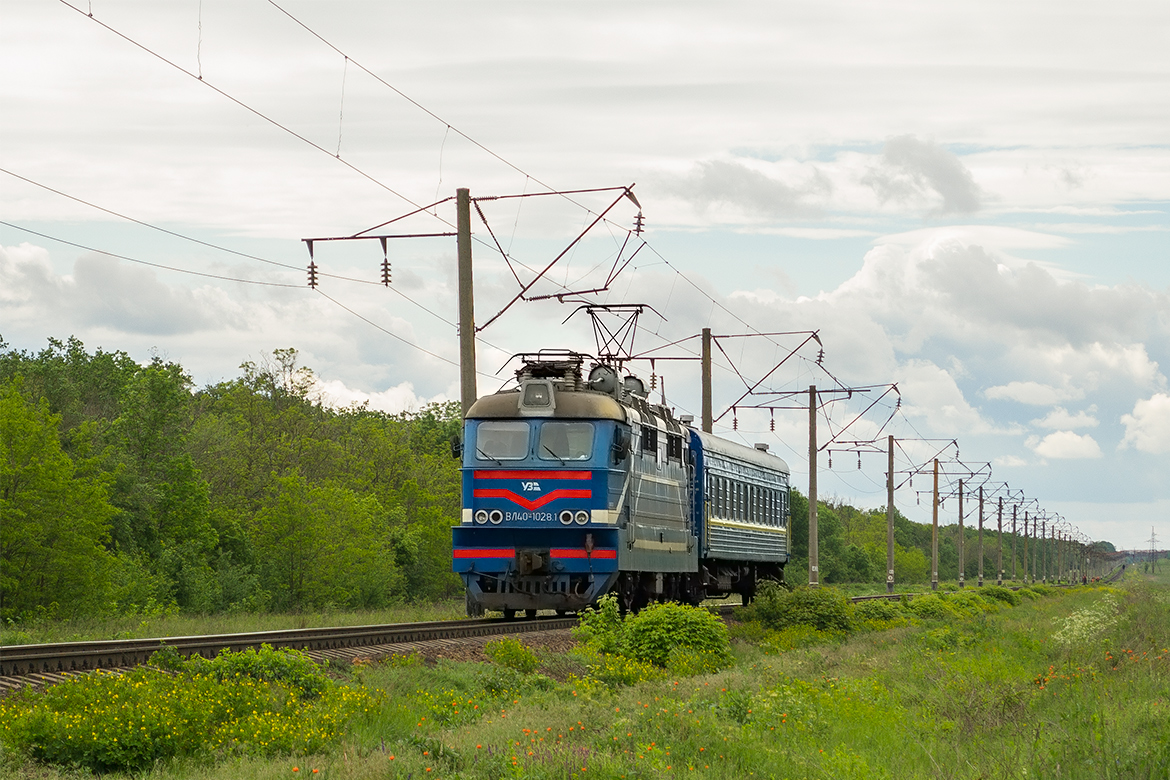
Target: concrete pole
{"points": [[467, 390], [999, 536], [1014, 536], [981, 536], [934, 534], [890, 516], [1027, 560], [813, 549], [1045, 550], [962, 559], [706, 360]]}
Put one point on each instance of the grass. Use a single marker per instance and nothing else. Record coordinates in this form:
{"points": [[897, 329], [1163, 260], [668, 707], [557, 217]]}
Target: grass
{"points": [[1013, 692], [165, 624]]}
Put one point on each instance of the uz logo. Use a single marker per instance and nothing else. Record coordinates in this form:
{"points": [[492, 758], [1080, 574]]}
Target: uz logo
{"points": [[530, 486]]}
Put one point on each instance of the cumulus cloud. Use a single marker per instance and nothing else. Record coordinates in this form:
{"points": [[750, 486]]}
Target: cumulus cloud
{"points": [[1008, 461], [108, 293], [913, 171], [1065, 445], [749, 189], [933, 394], [400, 398], [1033, 393], [1062, 420], [1148, 428]]}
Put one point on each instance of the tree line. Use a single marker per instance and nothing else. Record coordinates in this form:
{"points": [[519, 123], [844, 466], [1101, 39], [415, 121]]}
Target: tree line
{"points": [[124, 488]]}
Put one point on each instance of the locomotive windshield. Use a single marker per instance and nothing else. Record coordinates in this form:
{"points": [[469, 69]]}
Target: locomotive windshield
{"points": [[502, 440], [566, 441]]}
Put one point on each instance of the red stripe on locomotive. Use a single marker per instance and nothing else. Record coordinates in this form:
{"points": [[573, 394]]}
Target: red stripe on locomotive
{"points": [[535, 504], [583, 475]]}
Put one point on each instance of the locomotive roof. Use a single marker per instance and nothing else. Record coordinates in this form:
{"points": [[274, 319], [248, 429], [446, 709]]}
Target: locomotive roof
{"points": [[712, 443], [572, 405]]}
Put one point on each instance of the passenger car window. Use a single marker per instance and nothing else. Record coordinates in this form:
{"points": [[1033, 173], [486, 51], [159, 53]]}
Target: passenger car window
{"points": [[501, 441], [566, 441]]}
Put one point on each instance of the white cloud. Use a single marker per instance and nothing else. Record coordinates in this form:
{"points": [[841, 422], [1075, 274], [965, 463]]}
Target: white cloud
{"points": [[1065, 445], [1148, 428], [912, 170], [749, 186], [932, 394], [1033, 393], [1061, 419], [1009, 461], [400, 398]]}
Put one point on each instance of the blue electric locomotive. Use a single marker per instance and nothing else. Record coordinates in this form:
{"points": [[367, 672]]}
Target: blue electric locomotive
{"points": [[573, 488]]}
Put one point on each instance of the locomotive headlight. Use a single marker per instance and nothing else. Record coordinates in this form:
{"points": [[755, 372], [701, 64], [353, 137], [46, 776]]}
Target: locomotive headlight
{"points": [[496, 516], [566, 517], [481, 517], [582, 517]]}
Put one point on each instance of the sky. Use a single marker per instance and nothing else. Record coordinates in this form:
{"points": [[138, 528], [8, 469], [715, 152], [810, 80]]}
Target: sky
{"points": [[969, 202]]}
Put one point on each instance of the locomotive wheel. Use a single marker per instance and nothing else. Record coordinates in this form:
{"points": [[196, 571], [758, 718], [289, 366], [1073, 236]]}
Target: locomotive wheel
{"points": [[509, 614], [530, 614]]}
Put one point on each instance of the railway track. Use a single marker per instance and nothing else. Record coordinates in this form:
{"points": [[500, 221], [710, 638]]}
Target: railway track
{"points": [[47, 664]]}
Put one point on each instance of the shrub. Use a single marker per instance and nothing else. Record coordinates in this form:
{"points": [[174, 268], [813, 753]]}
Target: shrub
{"points": [[615, 670], [878, 609], [1003, 594], [511, 653], [931, 607], [600, 628], [129, 721], [968, 602], [291, 668], [660, 629], [798, 636], [825, 609], [688, 662]]}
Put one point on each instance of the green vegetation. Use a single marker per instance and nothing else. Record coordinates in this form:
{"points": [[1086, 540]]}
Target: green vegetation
{"points": [[262, 703], [127, 492], [1068, 683]]}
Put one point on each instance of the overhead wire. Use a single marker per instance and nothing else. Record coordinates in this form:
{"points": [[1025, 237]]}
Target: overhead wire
{"points": [[336, 156], [148, 263], [220, 248], [383, 185], [499, 157], [221, 277]]}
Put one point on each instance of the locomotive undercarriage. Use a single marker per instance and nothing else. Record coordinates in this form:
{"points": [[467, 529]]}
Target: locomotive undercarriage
{"points": [[512, 592], [714, 580]]}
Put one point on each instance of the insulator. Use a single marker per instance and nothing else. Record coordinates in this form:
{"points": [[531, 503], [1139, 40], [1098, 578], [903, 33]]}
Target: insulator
{"points": [[653, 381], [772, 424], [859, 461], [312, 274], [919, 496], [386, 272], [734, 423], [639, 224], [830, 459]]}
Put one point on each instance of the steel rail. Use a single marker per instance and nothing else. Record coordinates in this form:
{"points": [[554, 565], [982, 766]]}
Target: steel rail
{"points": [[69, 657]]}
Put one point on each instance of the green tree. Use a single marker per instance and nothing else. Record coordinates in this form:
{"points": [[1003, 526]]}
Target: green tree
{"points": [[54, 516], [324, 545]]}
